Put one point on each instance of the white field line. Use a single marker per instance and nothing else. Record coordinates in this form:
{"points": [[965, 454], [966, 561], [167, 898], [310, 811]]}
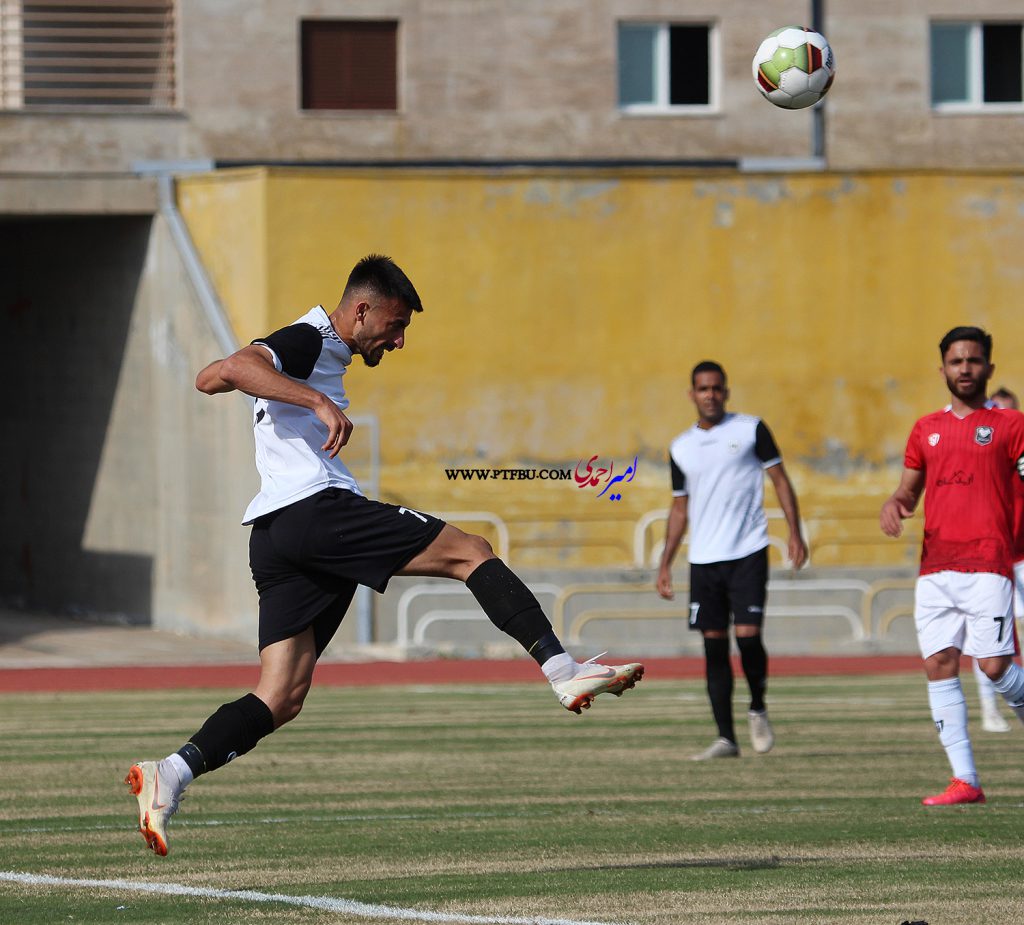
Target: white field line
{"points": [[325, 903]]}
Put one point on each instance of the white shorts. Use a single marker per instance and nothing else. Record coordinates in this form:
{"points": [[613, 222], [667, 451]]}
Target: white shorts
{"points": [[969, 611]]}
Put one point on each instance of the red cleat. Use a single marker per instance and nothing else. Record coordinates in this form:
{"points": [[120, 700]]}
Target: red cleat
{"points": [[958, 791]]}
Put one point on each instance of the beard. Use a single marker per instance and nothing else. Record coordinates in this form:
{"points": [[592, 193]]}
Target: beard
{"points": [[967, 391]]}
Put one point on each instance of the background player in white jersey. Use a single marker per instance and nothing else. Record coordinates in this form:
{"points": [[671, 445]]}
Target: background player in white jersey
{"points": [[967, 460], [718, 469], [992, 720], [315, 537]]}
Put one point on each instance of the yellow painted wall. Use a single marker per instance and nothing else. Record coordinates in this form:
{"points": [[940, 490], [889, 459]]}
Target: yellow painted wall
{"points": [[564, 310]]}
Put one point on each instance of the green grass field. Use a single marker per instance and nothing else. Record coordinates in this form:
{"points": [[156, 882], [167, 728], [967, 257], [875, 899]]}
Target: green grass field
{"points": [[491, 802]]}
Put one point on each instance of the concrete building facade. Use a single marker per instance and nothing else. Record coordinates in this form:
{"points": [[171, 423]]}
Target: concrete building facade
{"points": [[123, 487]]}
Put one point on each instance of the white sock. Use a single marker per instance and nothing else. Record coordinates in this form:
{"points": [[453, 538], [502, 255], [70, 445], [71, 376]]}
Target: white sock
{"points": [[986, 687], [183, 771], [949, 710], [559, 667], [1011, 686]]}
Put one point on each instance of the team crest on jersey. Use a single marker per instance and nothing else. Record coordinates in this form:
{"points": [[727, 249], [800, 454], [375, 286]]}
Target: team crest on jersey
{"points": [[933, 439], [983, 435]]}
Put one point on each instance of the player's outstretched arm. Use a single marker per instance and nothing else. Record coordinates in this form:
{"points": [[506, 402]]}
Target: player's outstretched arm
{"points": [[677, 518], [796, 548], [902, 503], [210, 382], [252, 371]]}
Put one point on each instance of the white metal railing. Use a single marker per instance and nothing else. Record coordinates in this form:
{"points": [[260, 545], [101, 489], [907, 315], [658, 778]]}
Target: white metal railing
{"points": [[816, 611], [417, 592], [863, 625], [646, 521]]}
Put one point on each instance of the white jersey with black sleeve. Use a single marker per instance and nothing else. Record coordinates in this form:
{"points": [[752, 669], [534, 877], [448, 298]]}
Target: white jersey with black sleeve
{"points": [[721, 470], [289, 438]]}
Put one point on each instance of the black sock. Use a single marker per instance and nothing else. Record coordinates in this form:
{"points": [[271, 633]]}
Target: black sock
{"points": [[511, 607], [232, 730], [719, 678], [754, 659]]}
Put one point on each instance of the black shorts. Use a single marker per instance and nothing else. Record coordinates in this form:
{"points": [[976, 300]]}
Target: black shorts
{"points": [[738, 586], [307, 558]]}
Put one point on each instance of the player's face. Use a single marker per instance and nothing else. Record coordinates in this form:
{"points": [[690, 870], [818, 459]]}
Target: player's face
{"points": [[966, 370], [709, 394], [380, 328]]}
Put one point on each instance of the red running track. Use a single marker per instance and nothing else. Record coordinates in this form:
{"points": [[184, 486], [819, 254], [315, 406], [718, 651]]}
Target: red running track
{"points": [[359, 674]]}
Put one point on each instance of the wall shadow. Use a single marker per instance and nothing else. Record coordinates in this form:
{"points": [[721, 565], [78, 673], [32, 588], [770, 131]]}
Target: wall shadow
{"points": [[67, 292]]}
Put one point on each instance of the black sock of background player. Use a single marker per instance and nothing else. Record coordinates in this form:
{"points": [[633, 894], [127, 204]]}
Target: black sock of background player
{"points": [[754, 659], [719, 678], [511, 607], [232, 730]]}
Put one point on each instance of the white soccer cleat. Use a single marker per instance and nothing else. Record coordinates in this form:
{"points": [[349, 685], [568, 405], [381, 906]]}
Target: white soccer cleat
{"points": [[720, 748], [591, 679], [159, 794], [991, 719], [762, 737]]}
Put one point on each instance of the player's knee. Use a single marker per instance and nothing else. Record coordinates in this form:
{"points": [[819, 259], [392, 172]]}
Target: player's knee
{"points": [[994, 668], [476, 550], [288, 704]]}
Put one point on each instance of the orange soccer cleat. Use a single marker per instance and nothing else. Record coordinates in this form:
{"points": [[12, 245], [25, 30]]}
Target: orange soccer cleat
{"points": [[958, 791]]}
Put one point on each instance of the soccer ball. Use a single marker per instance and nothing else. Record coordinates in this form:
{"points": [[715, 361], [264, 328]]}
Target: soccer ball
{"points": [[794, 67]]}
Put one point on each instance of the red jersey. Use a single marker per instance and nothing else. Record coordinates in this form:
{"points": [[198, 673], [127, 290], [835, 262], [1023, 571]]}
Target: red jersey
{"points": [[972, 469], [1018, 522]]}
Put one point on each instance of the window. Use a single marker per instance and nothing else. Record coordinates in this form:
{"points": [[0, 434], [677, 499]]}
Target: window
{"points": [[665, 67], [977, 65], [349, 64], [73, 53]]}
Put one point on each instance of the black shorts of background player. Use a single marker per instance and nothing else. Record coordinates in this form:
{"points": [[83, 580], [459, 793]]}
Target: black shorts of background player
{"points": [[315, 537], [718, 467]]}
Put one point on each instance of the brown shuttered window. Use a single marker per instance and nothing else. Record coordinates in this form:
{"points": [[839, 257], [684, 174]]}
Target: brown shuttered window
{"points": [[73, 53], [349, 64]]}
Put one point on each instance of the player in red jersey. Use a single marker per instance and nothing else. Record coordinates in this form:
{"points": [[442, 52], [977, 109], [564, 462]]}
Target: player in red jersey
{"points": [[965, 459]]}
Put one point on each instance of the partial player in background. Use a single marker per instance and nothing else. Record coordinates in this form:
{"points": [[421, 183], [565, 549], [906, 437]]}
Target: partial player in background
{"points": [[992, 720], [967, 461], [718, 469], [315, 537]]}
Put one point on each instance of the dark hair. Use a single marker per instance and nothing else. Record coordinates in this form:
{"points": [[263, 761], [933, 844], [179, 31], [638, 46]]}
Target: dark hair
{"points": [[707, 366], [967, 333], [385, 278], [1003, 392]]}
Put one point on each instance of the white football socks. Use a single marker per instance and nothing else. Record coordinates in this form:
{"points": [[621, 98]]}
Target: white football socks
{"points": [[1011, 686], [561, 667], [949, 710], [183, 771]]}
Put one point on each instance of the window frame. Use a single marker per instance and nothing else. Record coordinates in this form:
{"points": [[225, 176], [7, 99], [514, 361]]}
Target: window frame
{"points": [[349, 113], [13, 79], [662, 70], [975, 105]]}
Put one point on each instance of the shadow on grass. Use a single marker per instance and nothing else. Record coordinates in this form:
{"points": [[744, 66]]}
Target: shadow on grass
{"points": [[771, 863]]}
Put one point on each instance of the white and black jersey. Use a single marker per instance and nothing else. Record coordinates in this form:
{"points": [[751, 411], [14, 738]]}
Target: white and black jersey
{"points": [[289, 438], [721, 470]]}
